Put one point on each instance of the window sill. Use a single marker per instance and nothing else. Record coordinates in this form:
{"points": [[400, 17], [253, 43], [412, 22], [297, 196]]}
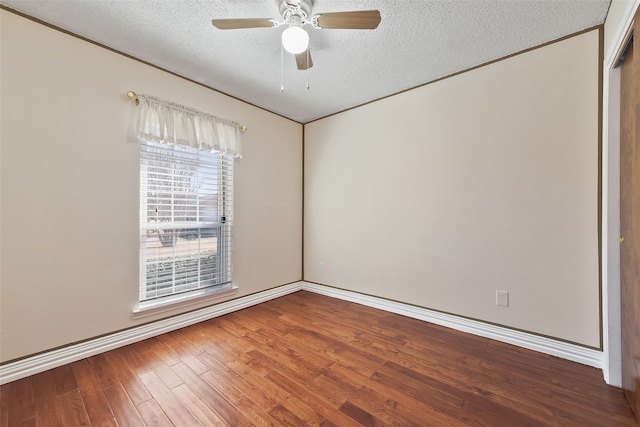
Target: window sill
{"points": [[174, 302]]}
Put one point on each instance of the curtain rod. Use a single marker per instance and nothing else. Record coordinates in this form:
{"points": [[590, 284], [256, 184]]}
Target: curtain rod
{"points": [[134, 96]]}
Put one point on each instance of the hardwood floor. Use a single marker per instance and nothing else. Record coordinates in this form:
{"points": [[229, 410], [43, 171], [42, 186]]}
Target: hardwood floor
{"points": [[306, 359]]}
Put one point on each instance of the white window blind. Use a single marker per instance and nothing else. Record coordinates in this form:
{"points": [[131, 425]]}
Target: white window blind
{"points": [[186, 205]]}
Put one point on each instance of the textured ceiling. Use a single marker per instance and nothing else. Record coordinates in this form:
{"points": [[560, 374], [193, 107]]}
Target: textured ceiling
{"points": [[415, 43]]}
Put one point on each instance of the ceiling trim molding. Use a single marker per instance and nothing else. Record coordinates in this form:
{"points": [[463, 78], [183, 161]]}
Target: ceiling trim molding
{"points": [[596, 27], [85, 39], [126, 55]]}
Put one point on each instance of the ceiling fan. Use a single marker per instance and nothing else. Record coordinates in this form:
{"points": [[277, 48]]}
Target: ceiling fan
{"points": [[296, 14]]}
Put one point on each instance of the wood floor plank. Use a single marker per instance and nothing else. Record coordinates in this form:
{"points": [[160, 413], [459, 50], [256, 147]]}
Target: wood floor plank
{"points": [[153, 355], [176, 412], [141, 357], [167, 375], [266, 336], [488, 413], [392, 328], [198, 407], [22, 408], [474, 378], [564, 381], [226, 352], [5, 399], [308, 359], [186, 348], [234, 328], [406, 411], [214, 334], [125, 375], [181, 343], [312, 396], [73, 409], [330, 327], [134, 357], [360, 415], [413, 393], [380, 406], [358, 359], [64, 379], [252, 413], [436, 359], [153, 415], [286, 417], [335, 350], [271, 355], [122, 406], [599, 410], [46, 409], [201, 334], [209, 394], [277, 395], [93, 397], [264, 314], [248, 319], [336, 391], [107, 423], [482, 386], [195, 364], [242, 386], [245, 384], [460, 349], [305, 362], [160, 350], [103, 369]]}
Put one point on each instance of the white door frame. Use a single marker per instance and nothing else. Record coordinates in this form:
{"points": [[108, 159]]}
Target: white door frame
{"points": [[611, 321]]}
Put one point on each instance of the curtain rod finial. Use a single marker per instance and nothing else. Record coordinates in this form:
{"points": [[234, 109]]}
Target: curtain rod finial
{"points": [[131, 94], [243, 128]]}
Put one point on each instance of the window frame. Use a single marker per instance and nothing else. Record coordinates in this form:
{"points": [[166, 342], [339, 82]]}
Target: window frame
{"points": [[147, 300]]}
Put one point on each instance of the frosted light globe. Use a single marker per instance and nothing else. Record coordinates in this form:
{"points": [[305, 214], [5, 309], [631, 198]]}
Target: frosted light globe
{"points": [[295, 40]]}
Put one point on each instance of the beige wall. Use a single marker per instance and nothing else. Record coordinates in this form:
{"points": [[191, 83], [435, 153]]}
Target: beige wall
{"points": [[484, 181], [435, 197], [69, 188]]}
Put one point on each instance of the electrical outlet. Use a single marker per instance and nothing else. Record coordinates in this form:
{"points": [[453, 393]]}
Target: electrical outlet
{"points": [[502, 298], [321, 267]]}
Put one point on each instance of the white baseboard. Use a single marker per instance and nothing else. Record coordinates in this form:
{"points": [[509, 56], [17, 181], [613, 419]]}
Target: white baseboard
{"points": [[54, 358], [561, 349]]}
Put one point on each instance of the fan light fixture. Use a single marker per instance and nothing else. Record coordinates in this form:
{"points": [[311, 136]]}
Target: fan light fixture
{"points": [[295, 40], [295, 15]]}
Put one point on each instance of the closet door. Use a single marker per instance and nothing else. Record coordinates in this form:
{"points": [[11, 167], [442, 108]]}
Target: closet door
{"points": [[630, 219]]}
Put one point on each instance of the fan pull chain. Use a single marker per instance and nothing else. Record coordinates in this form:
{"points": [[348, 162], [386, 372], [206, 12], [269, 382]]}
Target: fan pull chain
{"points": [[281, 68], [307, 70]]}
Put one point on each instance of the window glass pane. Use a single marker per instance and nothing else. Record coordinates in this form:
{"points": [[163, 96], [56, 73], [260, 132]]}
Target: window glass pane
{"points": [[185, 218]]}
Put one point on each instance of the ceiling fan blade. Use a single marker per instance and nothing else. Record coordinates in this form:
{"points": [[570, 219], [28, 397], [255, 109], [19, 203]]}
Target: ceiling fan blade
{"points": [[357, 20], [302, 58], [232, 24]]}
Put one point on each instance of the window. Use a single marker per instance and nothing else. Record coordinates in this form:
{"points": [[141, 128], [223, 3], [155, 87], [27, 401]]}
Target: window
{"points": [[185, 220]]}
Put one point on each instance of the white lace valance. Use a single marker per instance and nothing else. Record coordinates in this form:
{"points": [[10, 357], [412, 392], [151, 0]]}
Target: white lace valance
{"points": [[173, 124]]}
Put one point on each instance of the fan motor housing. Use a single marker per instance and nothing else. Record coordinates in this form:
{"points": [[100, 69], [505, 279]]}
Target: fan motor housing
{"points": [[301, 7]]}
